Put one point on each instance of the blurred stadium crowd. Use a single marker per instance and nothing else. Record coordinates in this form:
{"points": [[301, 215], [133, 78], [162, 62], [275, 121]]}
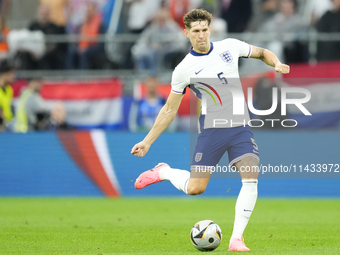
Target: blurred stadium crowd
{"points": [[145, 37]]}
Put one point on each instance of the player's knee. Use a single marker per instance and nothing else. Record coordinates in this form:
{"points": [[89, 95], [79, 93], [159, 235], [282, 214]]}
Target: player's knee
{"points": [[195, 190]]}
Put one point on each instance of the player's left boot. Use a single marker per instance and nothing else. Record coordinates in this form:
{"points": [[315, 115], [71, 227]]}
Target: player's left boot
{"points": [[150, 176], [237, 244]]}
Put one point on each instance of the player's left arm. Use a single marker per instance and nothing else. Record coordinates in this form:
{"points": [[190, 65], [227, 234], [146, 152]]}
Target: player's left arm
{"points": [[270, 59]]}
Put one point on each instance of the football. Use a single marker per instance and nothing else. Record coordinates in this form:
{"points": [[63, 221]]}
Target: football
{"points": [[206, 235]]}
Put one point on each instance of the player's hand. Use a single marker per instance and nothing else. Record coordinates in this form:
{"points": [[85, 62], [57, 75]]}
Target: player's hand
{"points": [[140, 149], [282, 68]]}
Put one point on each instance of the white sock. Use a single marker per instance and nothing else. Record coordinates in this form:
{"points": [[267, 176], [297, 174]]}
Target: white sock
{"points": [[178, 178], [244, 207]]}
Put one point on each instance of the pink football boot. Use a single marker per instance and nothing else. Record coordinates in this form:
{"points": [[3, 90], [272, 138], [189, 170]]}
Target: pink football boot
{"points": [[150, 176], [238, 245]]}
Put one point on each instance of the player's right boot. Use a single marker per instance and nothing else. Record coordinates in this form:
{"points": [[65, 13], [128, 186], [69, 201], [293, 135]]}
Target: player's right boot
{"points": [[237, 244], [150, 176]]}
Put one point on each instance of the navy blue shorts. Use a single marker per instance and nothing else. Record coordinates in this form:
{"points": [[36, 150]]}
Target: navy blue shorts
{"points": [[212, 143]]}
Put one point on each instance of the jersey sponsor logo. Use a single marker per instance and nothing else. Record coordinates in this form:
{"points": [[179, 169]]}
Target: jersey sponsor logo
{"points": [[199, 71], [198, 156], [226, 57]]}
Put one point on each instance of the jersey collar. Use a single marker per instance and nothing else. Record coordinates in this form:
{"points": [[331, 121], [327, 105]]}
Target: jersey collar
{"points": [[192, 52]]}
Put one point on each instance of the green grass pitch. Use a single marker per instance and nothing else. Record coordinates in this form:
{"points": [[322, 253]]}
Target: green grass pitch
{"points": [[162, 226]]}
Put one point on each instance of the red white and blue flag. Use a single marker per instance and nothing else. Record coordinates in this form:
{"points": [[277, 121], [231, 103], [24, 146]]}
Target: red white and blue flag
{"points": [[88, 104]]}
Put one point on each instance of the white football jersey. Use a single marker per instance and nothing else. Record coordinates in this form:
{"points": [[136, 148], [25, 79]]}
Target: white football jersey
{"points": [[213, 77]]}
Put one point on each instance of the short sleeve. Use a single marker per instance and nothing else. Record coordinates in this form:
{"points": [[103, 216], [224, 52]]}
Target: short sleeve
{"points": [[178, 82], [243, 48]]}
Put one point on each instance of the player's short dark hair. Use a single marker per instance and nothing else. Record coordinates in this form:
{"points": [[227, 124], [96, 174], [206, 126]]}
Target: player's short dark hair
{"points": [[197, 15]]}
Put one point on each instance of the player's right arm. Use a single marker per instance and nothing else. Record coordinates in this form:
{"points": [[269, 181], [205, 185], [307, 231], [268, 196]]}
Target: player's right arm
{"points": [[163, 120]]}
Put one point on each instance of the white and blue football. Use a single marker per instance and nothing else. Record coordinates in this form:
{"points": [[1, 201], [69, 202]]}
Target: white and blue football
{"points": [[206, 235]]}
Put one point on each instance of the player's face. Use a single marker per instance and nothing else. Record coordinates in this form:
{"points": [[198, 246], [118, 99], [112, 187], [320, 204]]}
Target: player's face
{"points": [[199, 36]]}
